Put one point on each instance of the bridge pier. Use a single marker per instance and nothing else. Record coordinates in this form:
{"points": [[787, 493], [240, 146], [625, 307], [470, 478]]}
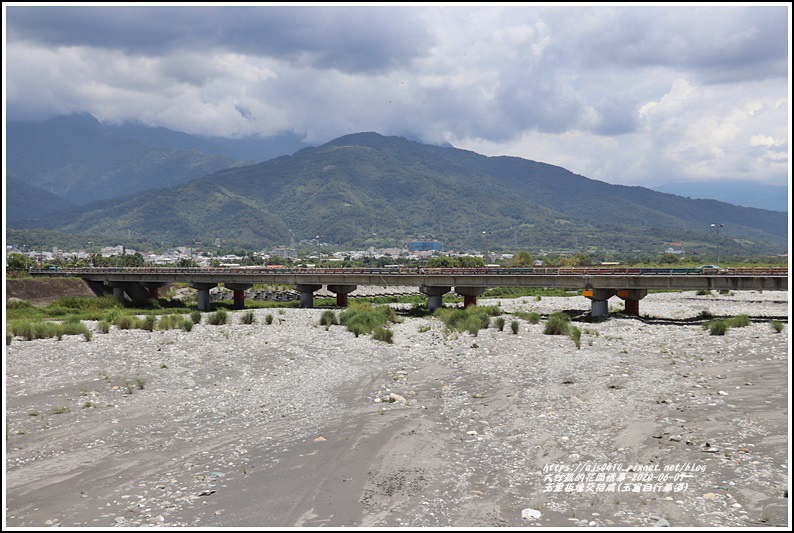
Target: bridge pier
{"points": [[341, 293], [435, 296], [239, 293], [153, 289], [469, 294], [134, 290], [307, 294], [599, 298], [203, 294], [118, 292], [632, 298]]}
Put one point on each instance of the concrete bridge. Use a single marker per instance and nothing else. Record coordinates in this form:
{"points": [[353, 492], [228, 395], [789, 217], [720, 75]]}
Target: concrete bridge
{"points": [[596, 283]]}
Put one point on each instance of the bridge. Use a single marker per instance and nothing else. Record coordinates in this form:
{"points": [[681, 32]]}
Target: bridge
{"points": [[596, 283]]}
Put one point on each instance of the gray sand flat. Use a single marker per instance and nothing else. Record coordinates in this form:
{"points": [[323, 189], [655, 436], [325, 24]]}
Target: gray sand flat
{"points": [[650, 422]]}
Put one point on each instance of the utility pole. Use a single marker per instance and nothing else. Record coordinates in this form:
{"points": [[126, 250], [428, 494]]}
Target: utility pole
{"points": [[718, 227]]}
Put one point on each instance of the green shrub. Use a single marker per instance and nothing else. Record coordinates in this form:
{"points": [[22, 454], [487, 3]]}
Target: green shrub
{"points": [[328, 319], [514, 327], [9, 338], [777, 325], [20, 329], [471, 319], [703, 292], [247, 318], [37, 329], [576, 335], [453, 318], [356, 329], [187, 325], [473, 326], [218, 318], [103, 326], [195, 316], [557, 324], [383, 334], [364, 318], [112, 315], [532, 318], [500, 323], [739, 321], [125, 322], [107, 301], [18, 304], [57, 311], [74, 328], [718, 327], [165, 323], [269, 319], [146, 323]]}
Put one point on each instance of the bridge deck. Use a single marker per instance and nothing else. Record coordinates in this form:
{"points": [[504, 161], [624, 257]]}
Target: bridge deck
{"points": [[565, 278]]}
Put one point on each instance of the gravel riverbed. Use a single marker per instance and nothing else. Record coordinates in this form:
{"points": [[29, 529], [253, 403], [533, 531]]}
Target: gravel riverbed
{"points": [[652, 421]]}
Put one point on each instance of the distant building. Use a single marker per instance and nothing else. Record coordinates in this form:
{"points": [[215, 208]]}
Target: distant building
{"points": [[424, 246], [289, 253]]}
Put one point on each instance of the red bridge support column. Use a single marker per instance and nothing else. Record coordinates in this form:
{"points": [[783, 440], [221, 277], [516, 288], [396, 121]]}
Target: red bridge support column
{"points": [[341, 299], [239, 300], [341, 293], [632, 299], [469, 294], [238, 293], [153, 289]]}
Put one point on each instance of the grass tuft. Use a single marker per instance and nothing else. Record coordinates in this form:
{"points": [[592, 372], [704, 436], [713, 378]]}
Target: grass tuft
{"points": [[247, 318], [557, 324], [218, 318], [328, 319]]}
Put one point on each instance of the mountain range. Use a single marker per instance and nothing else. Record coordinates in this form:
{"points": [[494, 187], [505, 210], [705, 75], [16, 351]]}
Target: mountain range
{"points": [[80, 160], [358, 190]]}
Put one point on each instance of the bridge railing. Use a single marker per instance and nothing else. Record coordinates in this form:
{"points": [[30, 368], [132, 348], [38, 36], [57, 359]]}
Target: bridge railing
{"points": [[503, 271]]}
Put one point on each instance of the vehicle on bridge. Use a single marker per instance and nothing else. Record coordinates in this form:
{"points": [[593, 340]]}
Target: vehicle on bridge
{"points": [[712, 269]]}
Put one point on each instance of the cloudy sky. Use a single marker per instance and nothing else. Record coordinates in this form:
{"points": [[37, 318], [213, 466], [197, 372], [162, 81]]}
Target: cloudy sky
{"points": [[625, 94]]}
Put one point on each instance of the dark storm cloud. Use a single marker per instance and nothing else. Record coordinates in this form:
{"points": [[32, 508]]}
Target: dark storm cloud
{"points": [[346, 38], [619, 93], [717, 44]]}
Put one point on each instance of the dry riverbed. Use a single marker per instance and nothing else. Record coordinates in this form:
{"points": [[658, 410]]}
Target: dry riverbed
{"points": [[651, 422]]}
